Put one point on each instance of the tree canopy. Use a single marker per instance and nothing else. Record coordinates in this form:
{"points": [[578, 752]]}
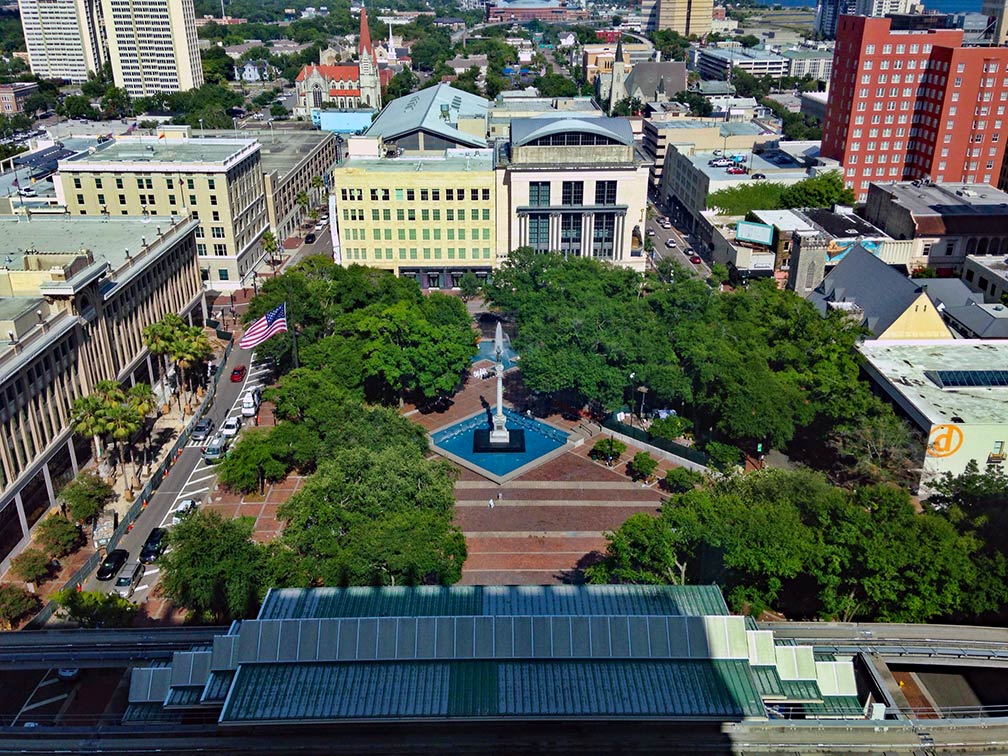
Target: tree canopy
{"points": [[757, 365], [792, 542], [824, 190]]}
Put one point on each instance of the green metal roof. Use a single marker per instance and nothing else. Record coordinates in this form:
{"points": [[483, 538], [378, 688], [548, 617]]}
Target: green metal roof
{"points": [[150, 712], [217, 687], [801, 691], [440, 601], [189, 696], [265, 693], [835, 707], [768, 683]]}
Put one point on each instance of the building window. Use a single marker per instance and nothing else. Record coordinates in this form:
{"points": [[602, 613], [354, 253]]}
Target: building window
{"points": [[539, 193], [573, 193], [119, 183], [222, 274], [605, 192], [538, 232], [604, 234]]}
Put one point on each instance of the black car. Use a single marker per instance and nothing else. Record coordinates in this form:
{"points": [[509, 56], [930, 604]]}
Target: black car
{"points": [[114, 562], [203, 430], [153, 546], [309, 239]]}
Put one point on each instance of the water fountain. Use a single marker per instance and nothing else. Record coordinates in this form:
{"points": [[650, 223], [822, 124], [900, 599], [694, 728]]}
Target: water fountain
{"points": [[498, 442]]}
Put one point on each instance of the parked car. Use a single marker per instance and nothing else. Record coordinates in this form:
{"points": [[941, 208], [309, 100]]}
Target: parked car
{"points": [[27, 192], [695, 259], [310, 239], [736, 170], [112, 563], [153, 546], [183, 509], [251, 402], [758, 176], [238, 374], [230, 427], [670, 243], [320, 226], [721, 162], [68, 674], [651, 232], [128, 580], [216, 449], [203, 429]]}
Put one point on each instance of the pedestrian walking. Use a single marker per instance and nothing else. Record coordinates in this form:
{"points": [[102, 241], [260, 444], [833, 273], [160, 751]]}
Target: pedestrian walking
{"points": [[490, 504]]}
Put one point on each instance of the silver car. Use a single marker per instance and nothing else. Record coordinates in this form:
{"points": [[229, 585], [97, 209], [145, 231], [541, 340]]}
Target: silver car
{"points": [[129, 579]]}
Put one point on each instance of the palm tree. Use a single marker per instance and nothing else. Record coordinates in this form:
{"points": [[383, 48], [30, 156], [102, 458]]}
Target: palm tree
{"points": [[270, 247], [160, 338], [123, 423], [87, 417], [302, 200], [318, 184], [192, 349], [142, 400]]}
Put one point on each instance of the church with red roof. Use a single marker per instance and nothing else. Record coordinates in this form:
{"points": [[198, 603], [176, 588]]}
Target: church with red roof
{"points": [[349, 86]]}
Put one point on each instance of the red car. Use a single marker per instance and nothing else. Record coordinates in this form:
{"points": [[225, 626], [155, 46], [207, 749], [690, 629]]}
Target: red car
{"points": [[238, 374], [695, 259], [735, 170]]}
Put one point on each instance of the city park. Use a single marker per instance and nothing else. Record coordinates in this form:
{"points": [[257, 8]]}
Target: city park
{"points": [[430, 446]]}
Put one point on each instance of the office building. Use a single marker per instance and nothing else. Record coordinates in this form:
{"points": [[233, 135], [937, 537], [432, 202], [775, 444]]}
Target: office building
{"points": [[13, 96], [804, 62], [718, 62], [701, 135], [946, 222], [426, 217], [63, 38], [914, 105], [152, 45], [349, 86], [684, 16], [75, 295], [218, 181], [575, 186], [953, 390]]}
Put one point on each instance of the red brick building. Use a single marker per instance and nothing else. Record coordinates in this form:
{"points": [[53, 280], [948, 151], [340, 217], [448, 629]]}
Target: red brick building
{"points": [[907, 105]]}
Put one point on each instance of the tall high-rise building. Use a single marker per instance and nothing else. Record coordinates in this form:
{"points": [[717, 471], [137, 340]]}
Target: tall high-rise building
{"points": [[828, 12], [908, 105], [63, 38], [683, 16], [152, 45]]}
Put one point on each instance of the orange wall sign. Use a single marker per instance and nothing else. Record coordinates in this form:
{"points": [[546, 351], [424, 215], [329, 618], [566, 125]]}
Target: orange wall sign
{"points": [[945, 440]]}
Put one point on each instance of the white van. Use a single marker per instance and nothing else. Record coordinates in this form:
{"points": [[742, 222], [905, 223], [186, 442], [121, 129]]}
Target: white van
{"points": [[250, 402]]}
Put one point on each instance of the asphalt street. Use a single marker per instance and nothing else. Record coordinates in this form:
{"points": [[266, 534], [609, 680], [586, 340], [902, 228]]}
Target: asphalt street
{"points": [[678, 252], [190, 477]]}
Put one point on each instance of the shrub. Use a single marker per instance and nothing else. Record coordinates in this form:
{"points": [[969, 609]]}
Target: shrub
{"points": [[681, 480], [670, 428], [642, 466], [57, 535], [31, 565], [15, 603], [723, 457], [86, 496], [607, 449]]}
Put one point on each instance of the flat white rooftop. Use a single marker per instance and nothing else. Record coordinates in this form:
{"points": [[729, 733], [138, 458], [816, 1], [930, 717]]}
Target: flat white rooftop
{"points": [[916, 369]]}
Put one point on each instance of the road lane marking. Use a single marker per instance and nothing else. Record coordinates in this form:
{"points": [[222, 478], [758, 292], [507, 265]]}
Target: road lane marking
{"points": [[46, 702]]}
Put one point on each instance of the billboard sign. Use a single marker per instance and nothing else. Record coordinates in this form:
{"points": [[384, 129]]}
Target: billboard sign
{"points": [[760, 233]]}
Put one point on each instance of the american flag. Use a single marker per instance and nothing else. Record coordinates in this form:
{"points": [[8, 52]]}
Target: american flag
{"points": [[270, 324]]}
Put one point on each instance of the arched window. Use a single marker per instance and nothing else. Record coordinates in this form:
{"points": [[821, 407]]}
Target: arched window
{"points": [[317, 96]]}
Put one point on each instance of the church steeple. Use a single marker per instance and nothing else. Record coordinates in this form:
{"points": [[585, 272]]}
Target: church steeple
{"points": [[391, 44], [365, 35], [619, 49]]}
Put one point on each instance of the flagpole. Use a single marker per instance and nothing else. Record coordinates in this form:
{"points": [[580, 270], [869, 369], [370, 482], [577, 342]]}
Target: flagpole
{"points": [[293, 332]]}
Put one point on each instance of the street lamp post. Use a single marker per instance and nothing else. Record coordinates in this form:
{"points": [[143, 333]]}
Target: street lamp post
{"points": [[632, 377], [640, 414], [201, 133]]}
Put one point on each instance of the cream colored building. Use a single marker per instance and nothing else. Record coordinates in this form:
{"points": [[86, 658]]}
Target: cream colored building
{"points": [[431, 218], [63, 38], [75, 295], [152, 45], [218, 181], [575, 186]]}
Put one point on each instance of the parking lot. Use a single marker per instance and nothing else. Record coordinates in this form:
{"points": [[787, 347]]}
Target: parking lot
{"points": [[30, 698]]}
